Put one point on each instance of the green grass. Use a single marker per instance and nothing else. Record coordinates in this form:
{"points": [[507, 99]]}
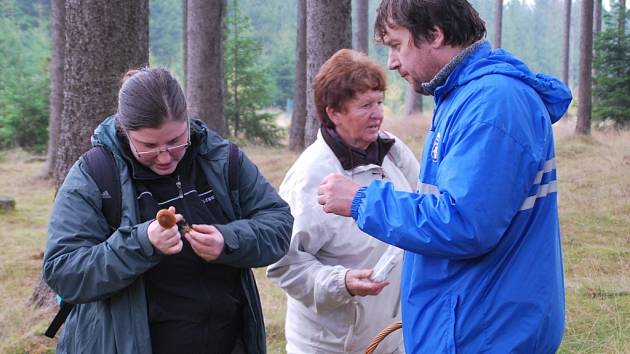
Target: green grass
{"points": [[594, 198], [23, 237]]}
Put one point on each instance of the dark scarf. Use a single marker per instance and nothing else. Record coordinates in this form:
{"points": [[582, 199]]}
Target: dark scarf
{"points": [[351, 157], [428, 88]]}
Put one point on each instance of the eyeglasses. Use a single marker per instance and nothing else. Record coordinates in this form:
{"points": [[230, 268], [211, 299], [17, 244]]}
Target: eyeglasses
{"points": [[152, 154]]}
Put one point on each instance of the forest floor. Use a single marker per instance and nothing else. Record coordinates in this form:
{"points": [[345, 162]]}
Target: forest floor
{"points": [[594, 199]]}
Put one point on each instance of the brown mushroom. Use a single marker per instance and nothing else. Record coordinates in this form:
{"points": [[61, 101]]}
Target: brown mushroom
{"points": [[166, 218]]}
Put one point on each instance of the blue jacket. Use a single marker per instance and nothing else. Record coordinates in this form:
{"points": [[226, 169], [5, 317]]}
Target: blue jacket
{"points": [[483, 261], [103, 272]]}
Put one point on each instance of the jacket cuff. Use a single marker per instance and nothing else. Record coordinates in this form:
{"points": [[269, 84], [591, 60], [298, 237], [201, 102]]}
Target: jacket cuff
{"points": [[142, 234], [230, 240], [356, 202], [342, 278]]}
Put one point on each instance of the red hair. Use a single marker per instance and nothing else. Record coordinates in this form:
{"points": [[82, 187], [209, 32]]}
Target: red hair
{"points": [[343, 76]]}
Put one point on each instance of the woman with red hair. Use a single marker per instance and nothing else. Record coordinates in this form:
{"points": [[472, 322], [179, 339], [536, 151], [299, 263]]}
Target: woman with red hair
{"points": [[334, 303]]}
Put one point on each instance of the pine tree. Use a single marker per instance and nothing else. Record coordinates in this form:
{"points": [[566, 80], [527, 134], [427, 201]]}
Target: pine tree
{"points": [[362, 43], [612, 81], [57, 44], [93, 67], [298, 117], [585, 99], [205, 68], [328, 29], [249, 88], [24, 77], [498, 23]]}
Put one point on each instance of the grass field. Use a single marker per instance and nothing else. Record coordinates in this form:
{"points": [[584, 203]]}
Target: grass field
{"points": [[594, 192]]}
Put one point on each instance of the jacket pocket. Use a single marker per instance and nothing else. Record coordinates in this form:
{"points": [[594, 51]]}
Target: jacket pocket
{"points": [[354, 319], [453, 307]]}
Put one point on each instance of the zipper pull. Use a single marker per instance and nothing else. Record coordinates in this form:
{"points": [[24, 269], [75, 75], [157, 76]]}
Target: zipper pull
{"points": [[179, 187]]}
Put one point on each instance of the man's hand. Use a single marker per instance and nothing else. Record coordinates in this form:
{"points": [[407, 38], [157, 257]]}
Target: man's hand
{"points": [[358, 283], [166, 240], [335, 194], [206, 241]]}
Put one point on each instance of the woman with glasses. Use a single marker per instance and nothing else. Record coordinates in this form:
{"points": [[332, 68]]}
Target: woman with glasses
{"points": [[145, 288], [336, 301]]}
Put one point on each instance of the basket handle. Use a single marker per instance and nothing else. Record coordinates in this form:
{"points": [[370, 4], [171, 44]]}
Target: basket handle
{"points": [[379, 337]]}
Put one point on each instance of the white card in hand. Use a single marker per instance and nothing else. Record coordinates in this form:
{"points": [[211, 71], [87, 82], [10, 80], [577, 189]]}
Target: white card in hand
{"points": [[390, 258]]}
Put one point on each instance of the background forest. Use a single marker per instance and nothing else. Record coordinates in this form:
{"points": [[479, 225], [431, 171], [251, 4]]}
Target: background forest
{"points": [[532, 30], [263, 76]]}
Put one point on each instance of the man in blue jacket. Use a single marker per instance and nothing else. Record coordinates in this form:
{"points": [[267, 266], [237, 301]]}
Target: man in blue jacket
{"points": [[483, 262]]}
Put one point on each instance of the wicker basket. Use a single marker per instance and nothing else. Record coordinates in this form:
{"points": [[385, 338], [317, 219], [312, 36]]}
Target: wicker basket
{"points": [[379, 337]]}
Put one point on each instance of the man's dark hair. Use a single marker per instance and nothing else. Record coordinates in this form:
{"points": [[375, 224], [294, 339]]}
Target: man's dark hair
{"points": [[457, 19]]}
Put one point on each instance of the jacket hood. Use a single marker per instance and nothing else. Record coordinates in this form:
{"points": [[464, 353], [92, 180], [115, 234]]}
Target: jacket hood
{"points": [[105, 134], [484, 61]]}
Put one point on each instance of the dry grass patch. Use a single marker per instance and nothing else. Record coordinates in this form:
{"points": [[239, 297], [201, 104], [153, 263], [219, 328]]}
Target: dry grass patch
{"points": [[23, 238], [594, 199]]}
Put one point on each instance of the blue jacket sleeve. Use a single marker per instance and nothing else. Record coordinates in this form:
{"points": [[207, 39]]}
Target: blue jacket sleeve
{"points": [[482, 180]]}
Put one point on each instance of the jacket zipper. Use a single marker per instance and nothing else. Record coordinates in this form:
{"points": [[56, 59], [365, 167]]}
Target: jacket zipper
{"points": [[179, 187], [180, 191]]}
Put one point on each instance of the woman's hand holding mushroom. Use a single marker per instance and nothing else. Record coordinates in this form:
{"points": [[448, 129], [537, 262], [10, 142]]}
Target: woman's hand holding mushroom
{"points": [[163, 232]]}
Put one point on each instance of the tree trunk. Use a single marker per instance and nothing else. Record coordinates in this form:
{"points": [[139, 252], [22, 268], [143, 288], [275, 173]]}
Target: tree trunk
{"points": [[583, 125], [597, 27], [184, 42], [413, 101], [498, 23], [362, 43], [205, 76], [597, 16], [57, 47], [298, 118], [328, 29], [103, 40], [567, 34], [235, 79], [622, 19]]}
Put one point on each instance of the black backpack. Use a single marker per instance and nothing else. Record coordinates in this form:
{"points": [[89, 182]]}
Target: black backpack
{"points": [[99, 164]]}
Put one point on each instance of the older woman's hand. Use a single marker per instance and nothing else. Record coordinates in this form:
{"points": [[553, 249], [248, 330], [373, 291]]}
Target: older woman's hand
{"points": [[358, 283], [335, 194]]}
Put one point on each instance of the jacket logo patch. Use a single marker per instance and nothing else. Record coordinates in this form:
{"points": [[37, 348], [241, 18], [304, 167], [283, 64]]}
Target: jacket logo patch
{"points": [[435, 148]]}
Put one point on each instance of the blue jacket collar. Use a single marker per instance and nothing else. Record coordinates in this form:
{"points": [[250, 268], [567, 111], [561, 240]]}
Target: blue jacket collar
{"points": [[484, 61]]}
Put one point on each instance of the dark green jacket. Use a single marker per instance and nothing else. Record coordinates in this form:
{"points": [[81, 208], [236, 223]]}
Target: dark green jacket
{"points": [[102, 271]]}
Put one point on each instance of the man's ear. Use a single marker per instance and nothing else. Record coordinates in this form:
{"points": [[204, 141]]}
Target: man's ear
{"points": [[332, 114], [438, 38]]}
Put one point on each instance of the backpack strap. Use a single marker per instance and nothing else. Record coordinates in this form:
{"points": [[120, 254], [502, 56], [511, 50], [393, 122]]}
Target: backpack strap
{"points": [[233, 177], [60, 318], [233, 167], [100, 165]]}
